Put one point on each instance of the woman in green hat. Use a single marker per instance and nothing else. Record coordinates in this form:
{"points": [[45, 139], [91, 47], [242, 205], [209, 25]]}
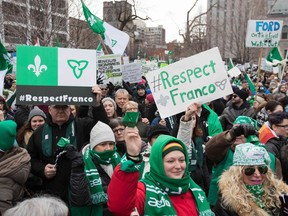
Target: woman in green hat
{"points": [[166, 190]]}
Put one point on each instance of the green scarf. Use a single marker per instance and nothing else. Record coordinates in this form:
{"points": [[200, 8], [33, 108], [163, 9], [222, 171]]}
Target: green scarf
{"points": [[47, 137], [98, 196], [159, 187], [257, 191]]}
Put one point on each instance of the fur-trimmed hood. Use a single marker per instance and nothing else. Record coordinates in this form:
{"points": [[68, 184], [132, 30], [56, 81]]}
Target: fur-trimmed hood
{"points": [[245, 207]]}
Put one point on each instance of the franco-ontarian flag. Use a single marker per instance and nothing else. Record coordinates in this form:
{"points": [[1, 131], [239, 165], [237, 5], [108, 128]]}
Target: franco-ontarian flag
{"points": [[50, 75], [274, 55], [114, 38], [4, 64]]}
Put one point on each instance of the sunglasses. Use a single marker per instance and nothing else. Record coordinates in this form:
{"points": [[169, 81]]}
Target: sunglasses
{"points": [[251, 170], [235, 96], [104, 88]]}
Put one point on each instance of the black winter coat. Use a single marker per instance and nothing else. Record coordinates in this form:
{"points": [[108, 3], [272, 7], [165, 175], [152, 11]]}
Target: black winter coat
{"points": [[59, 184]]}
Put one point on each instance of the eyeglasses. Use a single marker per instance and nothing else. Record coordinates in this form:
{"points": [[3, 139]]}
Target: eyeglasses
{"points": [[132, 109], [235, 96], [251, 170], [284, 126], [120, 130]]}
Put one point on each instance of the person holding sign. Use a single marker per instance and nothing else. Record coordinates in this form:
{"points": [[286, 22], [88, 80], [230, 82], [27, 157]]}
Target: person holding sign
{"points": [[48, 160], [168, 183]]}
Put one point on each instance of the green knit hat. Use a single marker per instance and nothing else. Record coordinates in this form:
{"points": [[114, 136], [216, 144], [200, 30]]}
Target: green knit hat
{"points": [[7, 134], [157, 153], [248, 154], [247, 120]]}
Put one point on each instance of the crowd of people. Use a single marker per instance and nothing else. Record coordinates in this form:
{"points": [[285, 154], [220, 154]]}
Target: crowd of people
{"points": [[228, 157]]}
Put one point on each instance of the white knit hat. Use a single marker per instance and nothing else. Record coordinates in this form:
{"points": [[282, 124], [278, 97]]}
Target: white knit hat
{"points": [[111, 100], [101, 132]]}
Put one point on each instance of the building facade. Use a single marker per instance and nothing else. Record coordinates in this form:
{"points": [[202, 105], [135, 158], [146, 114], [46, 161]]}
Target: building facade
{"points": [[279, 11], [227, 24], [23, 21]]}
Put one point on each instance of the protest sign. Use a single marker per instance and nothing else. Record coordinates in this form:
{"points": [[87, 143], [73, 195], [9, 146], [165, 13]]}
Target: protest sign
{"points": [[234, 72], [263, 33], [47, 75], [266, 66], [110, 66], [132, 72], [200, 78]]}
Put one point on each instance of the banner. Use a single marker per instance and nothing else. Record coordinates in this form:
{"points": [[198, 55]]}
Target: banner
{"points": [[49, 75]]}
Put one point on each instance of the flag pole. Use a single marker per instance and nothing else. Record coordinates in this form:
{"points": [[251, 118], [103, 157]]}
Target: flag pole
{"points": [[103, 44], [258, 73]]}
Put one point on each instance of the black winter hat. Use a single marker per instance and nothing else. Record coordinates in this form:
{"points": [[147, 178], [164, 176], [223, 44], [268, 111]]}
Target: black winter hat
{"points": [[140, 86], [157, 130], [242, 94]]}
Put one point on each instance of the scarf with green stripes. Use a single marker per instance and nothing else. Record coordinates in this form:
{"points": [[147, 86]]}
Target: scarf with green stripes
{"points": [[47, 137], [98, 196], [159, 187]]}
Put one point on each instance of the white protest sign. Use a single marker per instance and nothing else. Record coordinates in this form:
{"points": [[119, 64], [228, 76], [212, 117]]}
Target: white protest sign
{"points": [[265, 65], [234, 72], [200, 78], [263, 33], [110, 66], [132, 72]]}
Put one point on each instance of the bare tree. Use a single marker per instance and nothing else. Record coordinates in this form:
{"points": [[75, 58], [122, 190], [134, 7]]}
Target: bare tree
{"points": [[126, 13], [195, 28]]}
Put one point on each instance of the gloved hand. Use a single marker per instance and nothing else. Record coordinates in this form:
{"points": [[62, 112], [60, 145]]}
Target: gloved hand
{"points": [[284, 204], [74, 155], [242, 129]]}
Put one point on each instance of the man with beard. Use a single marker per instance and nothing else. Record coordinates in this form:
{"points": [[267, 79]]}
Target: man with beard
{"points": [[238, 107]]}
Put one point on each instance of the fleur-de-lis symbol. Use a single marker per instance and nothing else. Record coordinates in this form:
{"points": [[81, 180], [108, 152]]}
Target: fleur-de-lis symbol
{"points": [[37, 67], [163, 100], [91, 20]]}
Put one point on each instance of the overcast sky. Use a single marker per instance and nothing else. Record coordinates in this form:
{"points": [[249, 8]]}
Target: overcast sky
{"points": [[170, 14]]}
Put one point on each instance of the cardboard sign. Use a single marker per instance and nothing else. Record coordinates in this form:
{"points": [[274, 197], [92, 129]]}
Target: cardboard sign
{"points": [[234, 72], [266, 66], [200, 78], [111, 67], [132, 72], [48, 75], [263, 33]]}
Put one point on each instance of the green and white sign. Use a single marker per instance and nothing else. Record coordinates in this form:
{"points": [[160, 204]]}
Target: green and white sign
{"points": [[111, 67], [263, 33], [48, 75], [200, 78]]}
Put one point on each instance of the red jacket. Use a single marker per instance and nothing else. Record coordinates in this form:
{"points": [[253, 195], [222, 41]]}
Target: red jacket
{"points": [[125, 192]]}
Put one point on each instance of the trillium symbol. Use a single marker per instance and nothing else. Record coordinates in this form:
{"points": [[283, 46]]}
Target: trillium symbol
{"points": [[37, 67], [221, 84], [78, 67]]}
